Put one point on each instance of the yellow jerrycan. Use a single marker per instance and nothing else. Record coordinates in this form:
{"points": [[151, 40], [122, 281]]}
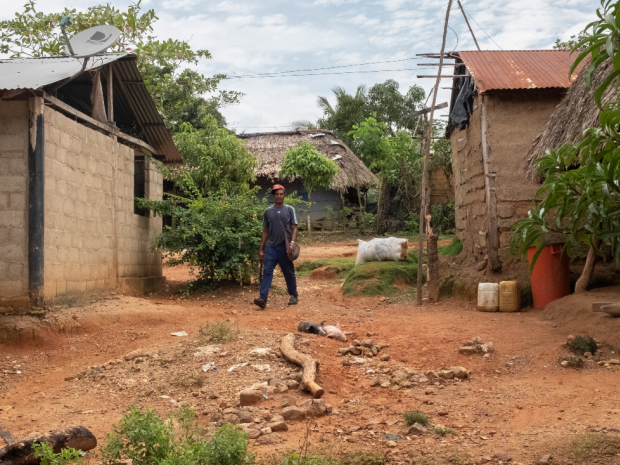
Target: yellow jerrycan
{"points": [[509, 296]]}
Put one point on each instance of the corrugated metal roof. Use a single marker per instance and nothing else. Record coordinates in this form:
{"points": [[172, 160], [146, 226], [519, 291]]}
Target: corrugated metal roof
{"points": [[520, 69], [35, 73]]}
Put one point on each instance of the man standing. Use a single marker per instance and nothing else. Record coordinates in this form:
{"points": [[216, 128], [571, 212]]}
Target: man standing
{"points": [[277, 221]]}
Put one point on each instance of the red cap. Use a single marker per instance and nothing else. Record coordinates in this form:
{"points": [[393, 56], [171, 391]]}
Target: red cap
{"points": [[276, 187]]}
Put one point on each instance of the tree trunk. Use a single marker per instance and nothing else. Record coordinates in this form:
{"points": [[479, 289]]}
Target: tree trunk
{"points": [[383, 208], [305, 361], [21, 452], [584, 280], [309, 207], [432, 273], [359, 218]]}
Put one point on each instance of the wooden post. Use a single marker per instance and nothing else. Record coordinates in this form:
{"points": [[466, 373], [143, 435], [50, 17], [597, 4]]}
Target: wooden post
{"points": [[427, 147], [491, 199], [110, 94], [467, 21]]}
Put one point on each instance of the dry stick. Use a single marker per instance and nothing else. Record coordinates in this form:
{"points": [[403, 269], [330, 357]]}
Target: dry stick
{"points": [[467, 21], [303, 360], [427, 147]]}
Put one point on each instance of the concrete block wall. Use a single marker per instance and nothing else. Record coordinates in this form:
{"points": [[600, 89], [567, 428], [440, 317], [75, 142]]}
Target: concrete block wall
{"points": [[136, 233], [79, 203], [14, 128]]}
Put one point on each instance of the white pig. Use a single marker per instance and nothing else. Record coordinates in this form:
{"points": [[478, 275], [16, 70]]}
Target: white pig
{"points": [[335, 333]]}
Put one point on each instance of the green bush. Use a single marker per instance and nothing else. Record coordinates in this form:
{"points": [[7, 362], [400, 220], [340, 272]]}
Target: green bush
{"points": [[339, 219], [146, 439], [366, 222], [46, 454], [582, 344], [412, 225], [218, 332], [415, 416], [443, 217]]}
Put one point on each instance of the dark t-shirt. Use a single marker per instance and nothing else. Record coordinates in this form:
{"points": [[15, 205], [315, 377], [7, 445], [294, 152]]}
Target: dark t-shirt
{"points": [[275, 220]]}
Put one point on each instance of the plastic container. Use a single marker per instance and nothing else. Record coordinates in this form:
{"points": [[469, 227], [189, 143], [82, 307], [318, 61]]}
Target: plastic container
{"points": [[551, 276], [509, 296], [488, 297]]}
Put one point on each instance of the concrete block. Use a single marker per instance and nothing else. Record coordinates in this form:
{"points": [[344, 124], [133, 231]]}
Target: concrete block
{"points": [[4, 201], [17, 202], [140, 286], [61, 287], [14, 219], [15, 272], [49, 289], [5, 233], [65, 140], [13, 142], [12, 183], [19, 236], [10, 125], [18, 166], [12, 289]]}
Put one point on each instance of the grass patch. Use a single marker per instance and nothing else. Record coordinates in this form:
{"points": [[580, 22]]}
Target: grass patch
{"points": [[378, 278], [344, 265], [587, 448], [218, 332], [415, 416], [455, 248], [444, 431], [322, 458]]}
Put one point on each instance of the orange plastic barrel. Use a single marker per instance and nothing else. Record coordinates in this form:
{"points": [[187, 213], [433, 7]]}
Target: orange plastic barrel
{"points": [[551, 276]]}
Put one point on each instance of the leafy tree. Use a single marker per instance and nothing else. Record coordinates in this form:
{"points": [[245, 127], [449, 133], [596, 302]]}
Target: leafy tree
{"points": [[213, 160], [580, 196], [177, 91], [569, 44], [314, 169]]}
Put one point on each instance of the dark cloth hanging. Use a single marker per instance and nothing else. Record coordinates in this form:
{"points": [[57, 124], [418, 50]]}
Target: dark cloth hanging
{"points": [[463, 105]]}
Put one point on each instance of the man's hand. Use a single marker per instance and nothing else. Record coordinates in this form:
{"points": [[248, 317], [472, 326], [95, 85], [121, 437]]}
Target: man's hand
{"points": [[261, 256], [291, 247]]}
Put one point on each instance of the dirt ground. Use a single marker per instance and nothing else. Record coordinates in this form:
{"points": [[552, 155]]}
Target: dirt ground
{"points": [[518, 404]]}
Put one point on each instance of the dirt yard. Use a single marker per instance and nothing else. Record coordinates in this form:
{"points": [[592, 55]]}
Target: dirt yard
{"points": [[84, 365]]}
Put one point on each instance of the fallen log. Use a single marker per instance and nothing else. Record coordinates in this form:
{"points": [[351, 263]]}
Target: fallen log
{"points": [[22, 453], [305, 361]]}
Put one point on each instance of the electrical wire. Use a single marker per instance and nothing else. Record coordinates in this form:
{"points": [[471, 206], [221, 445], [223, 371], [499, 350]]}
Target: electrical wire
{"points": [[485, 32], [321, 74], [329, 67]]}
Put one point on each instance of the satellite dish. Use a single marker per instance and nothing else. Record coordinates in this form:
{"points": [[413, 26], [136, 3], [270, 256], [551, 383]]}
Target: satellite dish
{"points": [[93, 40]]}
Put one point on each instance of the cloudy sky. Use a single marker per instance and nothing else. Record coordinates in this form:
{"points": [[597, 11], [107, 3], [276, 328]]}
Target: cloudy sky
{"points": [[267, 36]]}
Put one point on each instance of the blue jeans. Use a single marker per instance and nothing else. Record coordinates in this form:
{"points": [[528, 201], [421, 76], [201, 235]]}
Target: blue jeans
{"points": [[276, 255]]}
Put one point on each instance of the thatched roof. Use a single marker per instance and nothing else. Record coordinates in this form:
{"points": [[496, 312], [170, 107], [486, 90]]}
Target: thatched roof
{"points": [[574, 114], [270, 147]]}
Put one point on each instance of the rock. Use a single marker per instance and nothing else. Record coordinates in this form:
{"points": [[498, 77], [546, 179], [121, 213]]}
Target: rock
{"points": [[355, 350], [385, 357], [278, 426], [381, 345], [245, 416], [391, 437], [417, 429], [502, 456], [356, 361], [287, 401], [292, 384], [385, 384], [564, 363], [250, 397], [253, 433], [314, 407], [614, 361], [355, 342], [269, 439], [446, 374], [406, 384], [374, 350], [274, 382], [265, 430], [391, 444], [431, 375], [228, 418], [467, 350], [570, 339], [234, 411], [545, 460], [587, 354], [366, 343], [399, 376], [460, 372], [344, 351], [277, 418], [375, 382], [293, 413], [429, 392], [487, 348], [265, 415], [423, 380]]}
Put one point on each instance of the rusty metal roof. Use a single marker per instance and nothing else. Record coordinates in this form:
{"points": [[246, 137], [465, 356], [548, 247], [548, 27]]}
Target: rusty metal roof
{"points": [[35, 73], [520, 69]]}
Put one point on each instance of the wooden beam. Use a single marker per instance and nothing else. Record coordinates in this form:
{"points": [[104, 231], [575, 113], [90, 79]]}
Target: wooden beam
{"points": [[62, 106], [445, 76], [491, 199], [425, 111], [111, 93]]}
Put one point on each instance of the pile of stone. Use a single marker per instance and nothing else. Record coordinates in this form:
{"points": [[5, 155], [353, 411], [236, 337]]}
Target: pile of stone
{"points": [[361, 350], [477, 346], [407, 377]]}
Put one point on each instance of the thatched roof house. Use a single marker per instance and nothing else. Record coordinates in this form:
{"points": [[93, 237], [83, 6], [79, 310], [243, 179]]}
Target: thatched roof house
{"points": [[574, 114], [270, 148]]}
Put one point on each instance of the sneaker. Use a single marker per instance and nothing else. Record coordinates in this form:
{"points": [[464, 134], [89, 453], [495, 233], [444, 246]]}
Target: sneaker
{"points": [[293, 300], [260, 302]]}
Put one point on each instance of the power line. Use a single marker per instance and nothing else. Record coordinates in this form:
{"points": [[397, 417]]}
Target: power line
{"points": [[329, 67], [324, 74], [474, 20]]}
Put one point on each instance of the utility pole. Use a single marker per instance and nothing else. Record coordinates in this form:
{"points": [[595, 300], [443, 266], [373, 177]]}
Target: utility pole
{"points": [[467, 21], [427, 147]]}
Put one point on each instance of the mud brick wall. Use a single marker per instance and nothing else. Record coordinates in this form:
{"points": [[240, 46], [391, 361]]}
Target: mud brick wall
{"points": [[514, 119], [13, 208], [442, 188], [92, 236]]}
